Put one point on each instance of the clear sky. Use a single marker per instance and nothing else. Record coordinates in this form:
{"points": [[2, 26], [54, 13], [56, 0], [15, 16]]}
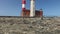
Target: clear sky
{"points": [[13, 7]]}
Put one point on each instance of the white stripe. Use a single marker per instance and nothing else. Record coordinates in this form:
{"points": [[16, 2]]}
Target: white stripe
{"points": [[23, 5]]}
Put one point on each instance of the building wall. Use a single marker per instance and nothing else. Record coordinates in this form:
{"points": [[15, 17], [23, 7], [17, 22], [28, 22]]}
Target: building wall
{"points": [[26, 13]]}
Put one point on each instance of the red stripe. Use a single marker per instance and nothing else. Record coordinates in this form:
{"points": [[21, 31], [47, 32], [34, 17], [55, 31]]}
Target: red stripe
{"points": [[23, 2], [23, 9]]}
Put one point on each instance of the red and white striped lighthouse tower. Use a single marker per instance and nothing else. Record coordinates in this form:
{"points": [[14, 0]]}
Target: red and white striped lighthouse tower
{"points": [[23, 5]]}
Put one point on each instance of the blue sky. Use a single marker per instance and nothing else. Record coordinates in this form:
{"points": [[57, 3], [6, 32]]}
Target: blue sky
{"points": [[13, 7]]}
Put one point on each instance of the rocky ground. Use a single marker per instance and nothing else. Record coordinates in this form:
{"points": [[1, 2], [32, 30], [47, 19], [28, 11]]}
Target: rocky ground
{"points": [[29, 25]]}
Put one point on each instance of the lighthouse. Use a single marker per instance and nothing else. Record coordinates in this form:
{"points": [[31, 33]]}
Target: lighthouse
{"points": [[23, 5], [32, 8], [32, 12]]}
